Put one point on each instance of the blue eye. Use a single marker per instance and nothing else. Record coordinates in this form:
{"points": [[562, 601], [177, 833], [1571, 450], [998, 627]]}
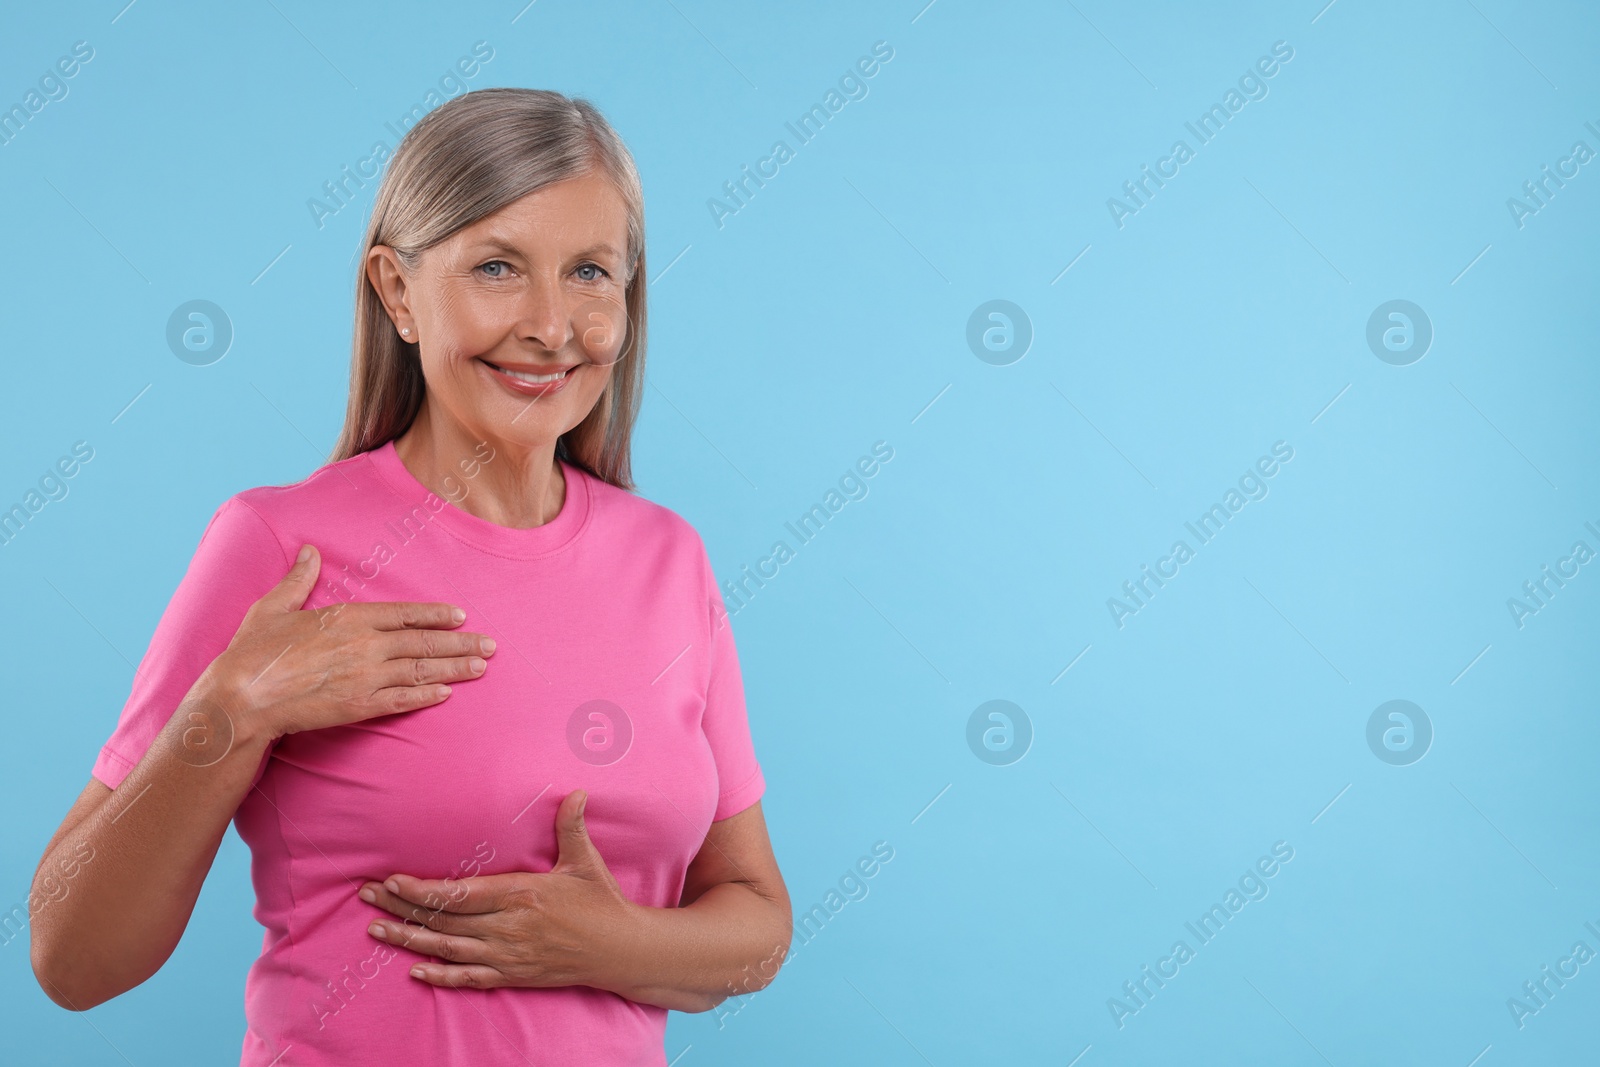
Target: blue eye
{"points": [[603, 273], [494, 262]]}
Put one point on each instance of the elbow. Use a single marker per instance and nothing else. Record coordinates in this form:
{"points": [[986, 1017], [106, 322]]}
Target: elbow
{"points": [[60, 981], [703, 1003], [64, 995], [752, 978], [757, 975], [47, 972], [780, 937]]}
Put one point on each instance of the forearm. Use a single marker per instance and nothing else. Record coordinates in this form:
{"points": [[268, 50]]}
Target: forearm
{"points": [[151, 843], [728, 942]]}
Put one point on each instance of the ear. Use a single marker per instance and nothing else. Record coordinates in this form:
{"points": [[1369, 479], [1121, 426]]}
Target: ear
{"points": [[388, 279]]}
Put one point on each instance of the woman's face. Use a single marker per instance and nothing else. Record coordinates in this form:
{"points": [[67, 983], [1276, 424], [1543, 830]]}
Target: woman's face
{"points": [[534, 290]]}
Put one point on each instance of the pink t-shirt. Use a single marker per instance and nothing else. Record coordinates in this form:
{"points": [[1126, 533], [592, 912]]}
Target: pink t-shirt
{"points": [[615, 672]]}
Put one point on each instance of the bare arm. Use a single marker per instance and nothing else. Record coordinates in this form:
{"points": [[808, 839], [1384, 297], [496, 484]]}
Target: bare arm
{"points": [[139, 855], [728, 936], [150, 843]]}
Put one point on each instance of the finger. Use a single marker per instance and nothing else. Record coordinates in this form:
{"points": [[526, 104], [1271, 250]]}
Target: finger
{"points": [[451, 948], [401, 698], [407, 615], [292, 589], [398, 672], [429, 915], [573, 846], [433, 644], [474, 976], [464, 896]]}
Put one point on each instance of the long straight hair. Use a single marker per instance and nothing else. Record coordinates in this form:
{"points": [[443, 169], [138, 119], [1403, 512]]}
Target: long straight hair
{"points": [[465, 160]]}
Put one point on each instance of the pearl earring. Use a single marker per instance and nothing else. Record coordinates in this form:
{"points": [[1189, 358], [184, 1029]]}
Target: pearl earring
{"points": [[406, 331]]}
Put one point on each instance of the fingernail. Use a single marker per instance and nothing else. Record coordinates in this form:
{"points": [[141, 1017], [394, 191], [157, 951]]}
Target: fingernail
{"points": [[458, 615], [392, 886], [305, 554], [488, 645], [418, 972], [477, 665], [377, 931], [368, 895]]}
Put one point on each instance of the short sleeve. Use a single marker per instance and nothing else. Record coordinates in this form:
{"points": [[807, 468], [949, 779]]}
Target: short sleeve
{"points": [[725, 723], [238, 560]]}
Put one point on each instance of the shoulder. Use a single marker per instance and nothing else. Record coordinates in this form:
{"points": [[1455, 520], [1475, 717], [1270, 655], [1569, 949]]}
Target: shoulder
{"points": [[623, 510], [624, 507], [660, 546], [333, 488], [252, 520]]}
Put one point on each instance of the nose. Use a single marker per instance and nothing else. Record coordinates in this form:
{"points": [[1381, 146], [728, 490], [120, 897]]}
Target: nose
{"points": [[543, 316]]}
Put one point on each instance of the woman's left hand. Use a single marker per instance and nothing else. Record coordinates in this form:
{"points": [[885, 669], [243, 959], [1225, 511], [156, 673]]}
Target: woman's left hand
{"points": [[557, 928]]}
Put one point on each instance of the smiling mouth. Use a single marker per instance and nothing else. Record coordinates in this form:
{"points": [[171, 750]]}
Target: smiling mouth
{"points": [[531, 377]]}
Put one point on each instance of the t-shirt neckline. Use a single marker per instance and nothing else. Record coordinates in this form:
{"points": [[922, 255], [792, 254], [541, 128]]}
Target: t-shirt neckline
{"points": [[531, 543]]}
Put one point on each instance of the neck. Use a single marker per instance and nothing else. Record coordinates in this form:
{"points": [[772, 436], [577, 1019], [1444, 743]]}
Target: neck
{"points": [[509, 483]]}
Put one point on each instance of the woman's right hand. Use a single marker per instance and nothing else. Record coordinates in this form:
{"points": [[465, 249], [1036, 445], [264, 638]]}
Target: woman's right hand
{"points": [[288, 670]]}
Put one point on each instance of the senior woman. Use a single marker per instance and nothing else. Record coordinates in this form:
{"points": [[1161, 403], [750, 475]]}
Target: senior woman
{"points": [[473, 704]]}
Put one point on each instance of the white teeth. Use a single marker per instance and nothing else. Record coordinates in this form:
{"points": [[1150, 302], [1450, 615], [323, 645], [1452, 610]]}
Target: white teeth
{"points": [[523, 376]]}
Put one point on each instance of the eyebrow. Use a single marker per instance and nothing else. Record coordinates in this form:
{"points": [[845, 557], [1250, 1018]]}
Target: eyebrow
{"points": [[502, 244]]}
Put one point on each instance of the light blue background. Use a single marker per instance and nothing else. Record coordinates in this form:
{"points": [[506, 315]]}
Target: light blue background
{"points": [[828, 314]]}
